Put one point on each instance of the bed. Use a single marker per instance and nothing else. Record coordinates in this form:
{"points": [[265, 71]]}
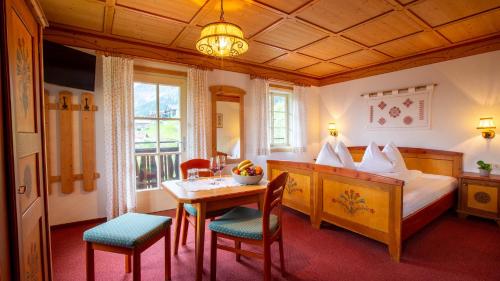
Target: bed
{"points": [[373, 205]]}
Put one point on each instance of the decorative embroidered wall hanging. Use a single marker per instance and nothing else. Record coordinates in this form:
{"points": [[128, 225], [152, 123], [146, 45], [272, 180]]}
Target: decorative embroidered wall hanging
{"points": [[401, 108]]}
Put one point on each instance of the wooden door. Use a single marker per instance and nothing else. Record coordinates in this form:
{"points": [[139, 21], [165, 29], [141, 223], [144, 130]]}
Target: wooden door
{"points": [[25, 142]]}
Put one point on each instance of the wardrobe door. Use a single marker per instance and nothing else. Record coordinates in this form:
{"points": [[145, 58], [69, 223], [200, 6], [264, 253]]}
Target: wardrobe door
{"points": [[25, 143]]}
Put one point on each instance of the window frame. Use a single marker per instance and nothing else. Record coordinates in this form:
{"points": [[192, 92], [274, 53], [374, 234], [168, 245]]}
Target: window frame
{"points": [[286, 93], [159, 79]]}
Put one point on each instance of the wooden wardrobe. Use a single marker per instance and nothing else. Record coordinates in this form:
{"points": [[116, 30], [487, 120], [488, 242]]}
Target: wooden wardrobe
{"points": [[22, 164]]}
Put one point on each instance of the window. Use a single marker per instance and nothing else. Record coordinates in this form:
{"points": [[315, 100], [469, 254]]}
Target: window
{"points": [[158, 129], [280, 117]]}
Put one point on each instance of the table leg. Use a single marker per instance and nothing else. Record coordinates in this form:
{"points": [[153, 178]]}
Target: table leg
{"points": [[260, 204], [200, 238], [178, 219]]}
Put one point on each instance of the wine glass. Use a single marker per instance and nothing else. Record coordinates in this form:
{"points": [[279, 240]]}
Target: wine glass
{"points": [[214, 165], [222, 164]]}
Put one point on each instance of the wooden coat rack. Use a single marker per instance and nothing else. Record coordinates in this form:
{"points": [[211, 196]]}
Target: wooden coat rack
{"points": [[65, 109]]}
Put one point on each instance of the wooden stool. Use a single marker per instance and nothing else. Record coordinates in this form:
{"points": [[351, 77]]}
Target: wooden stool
{"points": [[129, 234]]}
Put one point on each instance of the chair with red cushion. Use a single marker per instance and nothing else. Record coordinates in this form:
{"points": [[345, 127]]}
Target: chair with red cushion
{"points": [[190, 210]]}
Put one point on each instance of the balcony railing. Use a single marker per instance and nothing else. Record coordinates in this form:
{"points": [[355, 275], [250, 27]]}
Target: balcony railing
{"points": [[151, 168]]}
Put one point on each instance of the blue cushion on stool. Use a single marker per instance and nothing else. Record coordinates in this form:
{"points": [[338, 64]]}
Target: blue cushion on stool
{"points": [[243, 222], [190, 209], [127, 231]]}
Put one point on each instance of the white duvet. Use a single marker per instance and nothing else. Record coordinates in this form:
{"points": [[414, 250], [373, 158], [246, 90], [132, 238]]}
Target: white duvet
{"points": [[421, 190]]}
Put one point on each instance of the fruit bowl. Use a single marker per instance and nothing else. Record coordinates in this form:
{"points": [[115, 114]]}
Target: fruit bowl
{"points": [[247, 173], [247, 180]]}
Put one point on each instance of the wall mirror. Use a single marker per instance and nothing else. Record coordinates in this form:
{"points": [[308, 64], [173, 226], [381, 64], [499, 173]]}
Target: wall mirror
{"points": [[228, 137]]}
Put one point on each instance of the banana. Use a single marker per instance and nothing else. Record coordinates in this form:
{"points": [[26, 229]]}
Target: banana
{"points": [[243, 163], [244, 167]]}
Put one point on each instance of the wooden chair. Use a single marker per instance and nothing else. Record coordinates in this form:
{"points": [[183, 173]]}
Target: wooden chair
{"points": [[247, 225], [190, 210], [129, 234]]}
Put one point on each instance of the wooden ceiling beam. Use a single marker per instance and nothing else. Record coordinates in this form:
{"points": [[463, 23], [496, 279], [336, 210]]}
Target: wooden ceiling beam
{"points": [[108, 44], [469, 48], [109, 14]]}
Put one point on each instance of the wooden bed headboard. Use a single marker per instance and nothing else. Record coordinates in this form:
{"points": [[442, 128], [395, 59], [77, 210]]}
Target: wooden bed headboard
{"points": [[429, 161]]}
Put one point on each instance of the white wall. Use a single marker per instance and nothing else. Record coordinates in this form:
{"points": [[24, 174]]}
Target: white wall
{"points": [[79, 205], [220, 77], [468, 88]]}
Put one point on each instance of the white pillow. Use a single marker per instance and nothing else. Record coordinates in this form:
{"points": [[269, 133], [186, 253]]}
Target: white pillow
{"points": [[392, 152], [344, 156], [328, 157], [374, 161]]}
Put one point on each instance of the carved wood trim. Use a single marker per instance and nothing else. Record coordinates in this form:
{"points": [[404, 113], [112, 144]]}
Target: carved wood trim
{"points": [[111, 44], [485, 45]]}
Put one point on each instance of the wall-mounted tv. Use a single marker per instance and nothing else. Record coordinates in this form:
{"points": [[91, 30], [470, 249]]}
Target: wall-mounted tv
{"points": [[68, 67]]}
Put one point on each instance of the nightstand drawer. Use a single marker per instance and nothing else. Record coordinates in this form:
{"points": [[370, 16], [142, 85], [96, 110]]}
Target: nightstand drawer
{"points": [[482, 197]]}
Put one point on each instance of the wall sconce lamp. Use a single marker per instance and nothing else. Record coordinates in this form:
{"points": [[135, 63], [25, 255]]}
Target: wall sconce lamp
{"points": [[487, 127], [332, 128]]}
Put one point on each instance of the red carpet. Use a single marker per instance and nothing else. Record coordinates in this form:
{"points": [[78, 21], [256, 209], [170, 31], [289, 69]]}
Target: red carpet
{"points": [[447, 249]]}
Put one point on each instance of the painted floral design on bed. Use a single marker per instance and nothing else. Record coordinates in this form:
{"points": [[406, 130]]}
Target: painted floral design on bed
{"points": [[353, 202], [292, 186], [24, 73]]}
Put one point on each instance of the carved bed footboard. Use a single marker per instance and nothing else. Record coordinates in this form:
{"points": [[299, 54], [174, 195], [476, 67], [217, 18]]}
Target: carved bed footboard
{"points": [[368, 204]]}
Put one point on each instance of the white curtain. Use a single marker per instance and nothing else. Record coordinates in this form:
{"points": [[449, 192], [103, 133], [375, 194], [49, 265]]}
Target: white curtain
{"points": [[198, 114], [298, 140], [261, 114], [119, 135]]}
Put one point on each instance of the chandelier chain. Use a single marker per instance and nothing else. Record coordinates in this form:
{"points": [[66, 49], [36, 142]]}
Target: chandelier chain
{"points": [[222, 10]]}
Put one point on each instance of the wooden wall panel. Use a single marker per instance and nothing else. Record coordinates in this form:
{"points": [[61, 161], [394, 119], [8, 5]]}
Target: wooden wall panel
{"points": [[361, 58], [66, 142], [261, 53], [438, 12], [412, 44], [88, 141], [293, 61], [382, 29], [183, 10], [291, 35], [471, 28], [337, 15], [86, 14], [322, 69], [146, 27], [323, 49]]}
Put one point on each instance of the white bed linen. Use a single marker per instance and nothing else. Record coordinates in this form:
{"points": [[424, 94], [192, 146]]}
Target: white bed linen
{"points": [[421, 190]]}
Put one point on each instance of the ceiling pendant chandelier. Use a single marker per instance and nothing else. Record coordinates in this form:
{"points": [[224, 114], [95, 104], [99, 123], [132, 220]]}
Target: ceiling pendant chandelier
{"points": [[222, 39]]}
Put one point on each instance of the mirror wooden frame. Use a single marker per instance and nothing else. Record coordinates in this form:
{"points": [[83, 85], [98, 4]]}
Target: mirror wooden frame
{"points": [[230, 94]]}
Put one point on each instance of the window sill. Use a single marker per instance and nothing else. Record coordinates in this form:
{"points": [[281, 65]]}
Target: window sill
{"points": [[281, 149]]}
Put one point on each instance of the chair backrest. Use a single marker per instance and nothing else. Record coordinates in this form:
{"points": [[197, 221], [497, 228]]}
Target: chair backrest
{"points": [[195, 164], [273, 199]]}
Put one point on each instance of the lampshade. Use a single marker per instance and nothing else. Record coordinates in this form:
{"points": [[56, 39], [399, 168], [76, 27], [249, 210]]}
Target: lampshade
{"points": [[222, 39], [486, 123], [332, 126]]}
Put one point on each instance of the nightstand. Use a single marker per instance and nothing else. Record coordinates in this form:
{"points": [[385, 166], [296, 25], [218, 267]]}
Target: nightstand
{"points": [[479, 196]]}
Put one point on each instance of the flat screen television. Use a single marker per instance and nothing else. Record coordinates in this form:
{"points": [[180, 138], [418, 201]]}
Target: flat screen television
{"points": [[68, 67]]}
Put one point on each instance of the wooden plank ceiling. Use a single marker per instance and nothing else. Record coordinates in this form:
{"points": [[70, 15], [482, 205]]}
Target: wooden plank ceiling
{"points": [[318, 39]]}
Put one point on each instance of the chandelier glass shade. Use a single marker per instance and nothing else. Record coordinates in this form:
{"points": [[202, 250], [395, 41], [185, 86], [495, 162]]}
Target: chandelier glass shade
{"points": [[222, 39]]}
